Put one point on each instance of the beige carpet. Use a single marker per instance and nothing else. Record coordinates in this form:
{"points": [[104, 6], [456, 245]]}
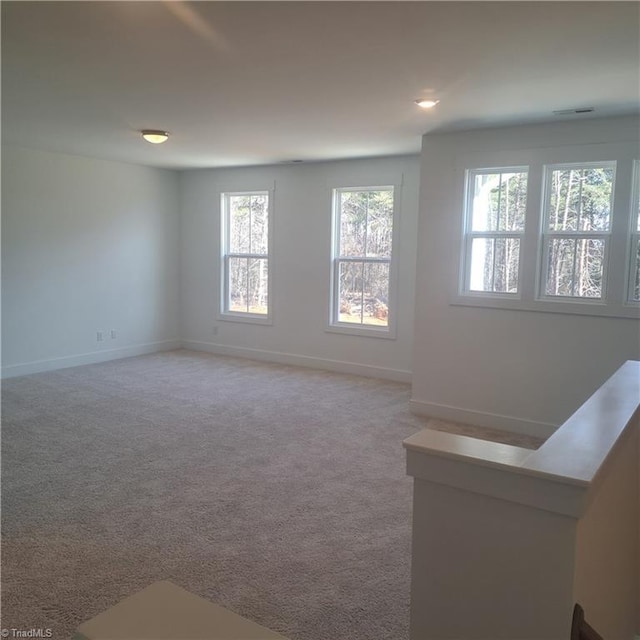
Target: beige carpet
{"points": [[275, 491]]}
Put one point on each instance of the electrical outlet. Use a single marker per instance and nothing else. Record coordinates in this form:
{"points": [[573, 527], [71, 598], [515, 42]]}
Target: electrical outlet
{"points": [[215, 331], [99, 336], [114, 335]]}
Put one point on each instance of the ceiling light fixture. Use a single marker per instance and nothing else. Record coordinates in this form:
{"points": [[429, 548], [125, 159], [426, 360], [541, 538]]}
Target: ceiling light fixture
{"points": [[570, 112], [155, 137], [425, 103]]}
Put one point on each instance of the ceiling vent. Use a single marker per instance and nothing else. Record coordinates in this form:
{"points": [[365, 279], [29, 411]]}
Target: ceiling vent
{"points": [[570, 112]]}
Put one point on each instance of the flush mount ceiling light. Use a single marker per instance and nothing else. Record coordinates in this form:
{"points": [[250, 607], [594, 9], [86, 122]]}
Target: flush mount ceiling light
{"points": [[571, 112], [155, 137], [425, 103]]}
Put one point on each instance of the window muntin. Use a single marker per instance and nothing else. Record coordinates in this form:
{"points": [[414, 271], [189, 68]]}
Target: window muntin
{"points": [[494, 229], [576, 230], [361, 257], [246, 249]]}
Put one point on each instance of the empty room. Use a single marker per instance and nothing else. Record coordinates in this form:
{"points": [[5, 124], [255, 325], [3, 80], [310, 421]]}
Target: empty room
{"points": [[320, 320]]}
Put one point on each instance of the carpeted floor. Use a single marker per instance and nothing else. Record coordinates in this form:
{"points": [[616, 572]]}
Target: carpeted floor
{"points": [[277, 492]]}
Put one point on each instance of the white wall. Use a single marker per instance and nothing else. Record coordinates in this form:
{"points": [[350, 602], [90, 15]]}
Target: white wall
{"points": [[87, 245], [520, 370], [302, 218], [607, 581]]}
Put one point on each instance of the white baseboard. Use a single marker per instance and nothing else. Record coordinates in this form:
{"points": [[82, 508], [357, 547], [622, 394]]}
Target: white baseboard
{"points": [[369, 371], [481, 419], [38, 366]]}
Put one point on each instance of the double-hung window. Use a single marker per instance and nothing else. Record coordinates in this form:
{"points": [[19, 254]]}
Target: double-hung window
{"points": [[361, 265], [494, 229], [551, 230], [576, 230], [246, 248]]}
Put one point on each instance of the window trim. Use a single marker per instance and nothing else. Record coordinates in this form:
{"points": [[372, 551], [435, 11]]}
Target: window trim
{"points": [[634, 236], [224, 313], [545, 235], [333, 324], [468, 235], [616, 305]]}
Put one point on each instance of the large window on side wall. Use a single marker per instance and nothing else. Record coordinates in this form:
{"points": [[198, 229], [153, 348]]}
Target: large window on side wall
{"points": [[362, 261], [493, 231], [557, 231], [246, 251]]}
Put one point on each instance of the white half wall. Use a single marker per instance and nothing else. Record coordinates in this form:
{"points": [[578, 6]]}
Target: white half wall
{"points": [[87, 246], [521, 370], [301, 262]]}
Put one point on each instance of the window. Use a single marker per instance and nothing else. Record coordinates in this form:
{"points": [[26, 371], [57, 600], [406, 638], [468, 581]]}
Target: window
{"points": [[246, 241], [550, 229], [576, 230], [634, 281], [362, 259], [494, 228]]}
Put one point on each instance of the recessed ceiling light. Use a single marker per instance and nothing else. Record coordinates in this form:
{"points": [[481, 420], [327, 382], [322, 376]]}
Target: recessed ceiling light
{"points": [[426, 103], [154, 137]]}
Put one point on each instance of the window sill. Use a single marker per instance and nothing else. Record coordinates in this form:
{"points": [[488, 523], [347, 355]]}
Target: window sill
{"points": [[247, 318], [362, 331], [567, 307]]}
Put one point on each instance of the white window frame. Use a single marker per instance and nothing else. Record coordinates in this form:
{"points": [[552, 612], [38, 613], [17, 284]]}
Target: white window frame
{"points": [[225, 254], [546, 235], [616, 287], [634, 234], [334, 323], [469, 235]]}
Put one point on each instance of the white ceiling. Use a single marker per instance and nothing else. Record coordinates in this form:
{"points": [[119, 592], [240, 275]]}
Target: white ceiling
{"points": [[241, 83]]}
